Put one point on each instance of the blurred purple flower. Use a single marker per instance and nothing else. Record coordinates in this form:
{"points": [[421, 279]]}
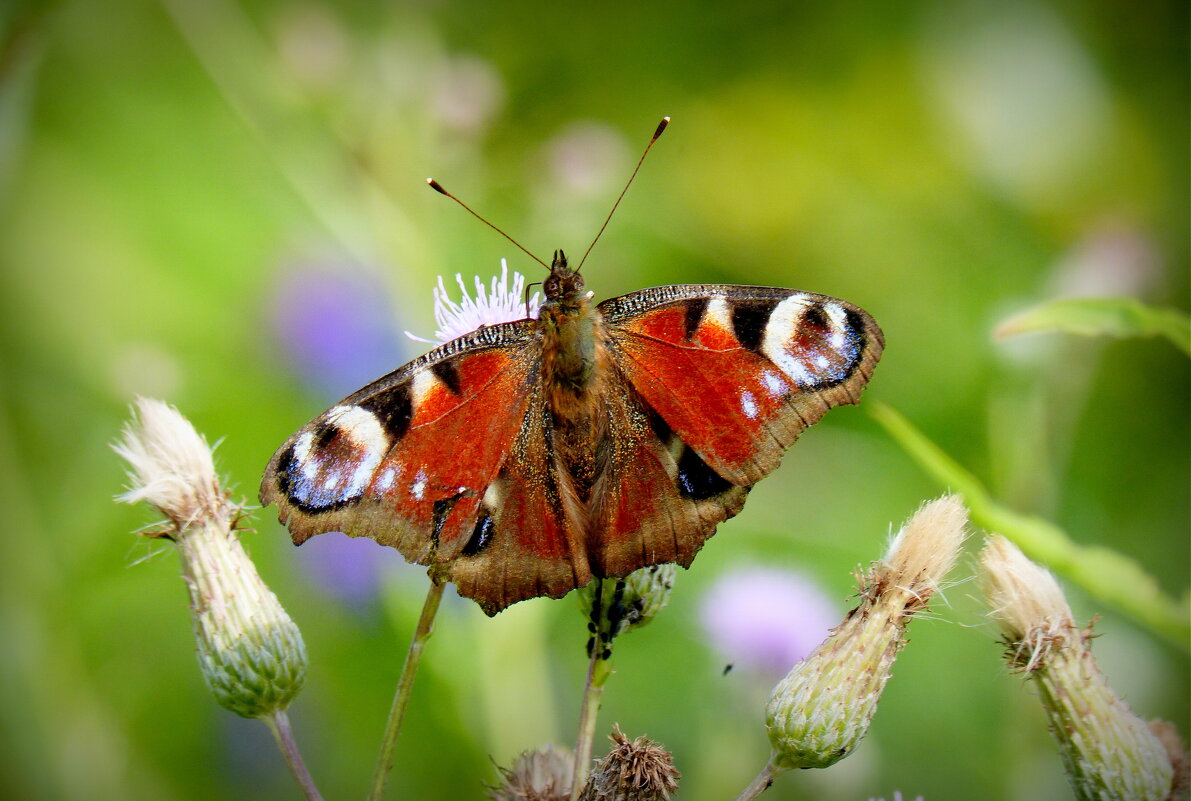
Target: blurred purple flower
{"points": [[335, 325], [764, 620], [348, 568]]}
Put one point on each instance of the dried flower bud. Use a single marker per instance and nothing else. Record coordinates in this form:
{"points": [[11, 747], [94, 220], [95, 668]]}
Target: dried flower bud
{"points": [[640, 770], [822, 709], [542, 775], [615, 606], [250, 653], [1108, 752]]}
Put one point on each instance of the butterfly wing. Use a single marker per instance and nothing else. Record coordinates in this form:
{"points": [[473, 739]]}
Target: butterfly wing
{"points": [[436, 460], [641, 512], [729, 376], [531, 531]]}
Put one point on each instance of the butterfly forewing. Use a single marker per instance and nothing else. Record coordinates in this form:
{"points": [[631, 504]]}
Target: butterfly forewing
{"points": [[408, 459], [738, 372]]}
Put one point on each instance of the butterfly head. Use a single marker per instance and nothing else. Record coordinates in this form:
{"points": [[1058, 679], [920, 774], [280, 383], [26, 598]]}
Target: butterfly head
{"points": [[564, 286]]}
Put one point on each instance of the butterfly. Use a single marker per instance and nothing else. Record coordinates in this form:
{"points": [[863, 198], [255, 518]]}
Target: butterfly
{"points": [[526, 458]]}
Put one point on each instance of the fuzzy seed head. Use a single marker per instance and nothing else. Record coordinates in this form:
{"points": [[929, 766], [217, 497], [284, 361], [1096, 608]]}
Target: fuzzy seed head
{"points": [[542, 775], [923, 552], [1026, 602], [171, 464], [636, 770]]}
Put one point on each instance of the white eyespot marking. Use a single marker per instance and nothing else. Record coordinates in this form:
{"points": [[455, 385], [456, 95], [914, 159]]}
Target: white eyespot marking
{"points": [[748, 404], [334, 461], [492, 496], [308, 466], [719, 312], [775, 385], [838, 318], [418, 490], [366, 433], [387, 477], [783, 322], [424, 382], [822, 362]]}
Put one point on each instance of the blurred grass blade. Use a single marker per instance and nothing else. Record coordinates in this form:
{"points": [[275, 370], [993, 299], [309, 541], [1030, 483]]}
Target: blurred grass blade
{"points": [[1102, 572], [1114, 317]]}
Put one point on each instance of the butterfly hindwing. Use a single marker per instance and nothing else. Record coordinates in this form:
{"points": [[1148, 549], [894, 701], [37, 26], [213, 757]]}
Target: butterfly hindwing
{"points": [[531, 532], [655, 501]]}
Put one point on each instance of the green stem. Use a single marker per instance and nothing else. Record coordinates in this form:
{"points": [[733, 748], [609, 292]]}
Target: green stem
{"points": [[384, 762], [278, 723], [1105, 574], [759, 784], [598, 671]]}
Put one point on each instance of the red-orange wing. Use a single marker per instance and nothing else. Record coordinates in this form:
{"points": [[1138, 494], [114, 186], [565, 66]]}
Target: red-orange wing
{"points": [[738, 372], [717, 382], [420, 460]]}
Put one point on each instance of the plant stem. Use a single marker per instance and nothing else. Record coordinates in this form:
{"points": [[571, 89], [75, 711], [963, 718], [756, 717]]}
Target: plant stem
{"points": [[278, 723], [760, 784], [384, 762], [598, 671]]}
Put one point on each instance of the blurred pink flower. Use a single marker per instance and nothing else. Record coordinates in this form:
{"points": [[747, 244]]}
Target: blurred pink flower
{"points": [[765, 620]]}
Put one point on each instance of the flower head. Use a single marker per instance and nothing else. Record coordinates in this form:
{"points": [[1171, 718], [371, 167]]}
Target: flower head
{"points": [[615, 606], [1108, 752], [250, 652], [495, 303], [821, 710]]}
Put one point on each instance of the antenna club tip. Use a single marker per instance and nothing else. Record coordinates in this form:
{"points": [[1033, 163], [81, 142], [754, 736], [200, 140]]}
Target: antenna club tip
{"points": [[436, 186], [661, 127]]}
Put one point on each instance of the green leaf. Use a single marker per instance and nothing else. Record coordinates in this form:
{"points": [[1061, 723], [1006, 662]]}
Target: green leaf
{"points": [[1102, 572], [1115, 317]]}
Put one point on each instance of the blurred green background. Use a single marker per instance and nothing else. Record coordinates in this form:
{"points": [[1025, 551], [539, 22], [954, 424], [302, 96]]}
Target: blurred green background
{"points": [[221, 204]]}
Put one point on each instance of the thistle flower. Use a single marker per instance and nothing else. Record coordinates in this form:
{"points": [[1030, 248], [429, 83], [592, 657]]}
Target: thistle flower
{"points": [[1109, 753], [822, 709], [498, 302], [616, 606], [541, 775], [636, 770], [250, 653]]}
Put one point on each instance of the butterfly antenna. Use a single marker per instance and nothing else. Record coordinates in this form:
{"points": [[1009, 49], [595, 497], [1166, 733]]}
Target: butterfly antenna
{"points": [[661, 127], [437, 187]]}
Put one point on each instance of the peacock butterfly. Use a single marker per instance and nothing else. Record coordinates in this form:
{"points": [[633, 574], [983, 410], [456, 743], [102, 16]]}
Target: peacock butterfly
{"points": [[526, 458]]}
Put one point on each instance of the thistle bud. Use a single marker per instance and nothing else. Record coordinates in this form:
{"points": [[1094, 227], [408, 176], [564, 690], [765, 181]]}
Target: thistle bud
{"points": [[822, 709], [634, 770], [541, 775], [615, 606], [1108, 752], [250, 653]]}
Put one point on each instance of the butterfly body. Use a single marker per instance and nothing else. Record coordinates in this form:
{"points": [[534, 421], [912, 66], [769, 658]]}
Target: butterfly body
{"points": [[525, 458]]}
